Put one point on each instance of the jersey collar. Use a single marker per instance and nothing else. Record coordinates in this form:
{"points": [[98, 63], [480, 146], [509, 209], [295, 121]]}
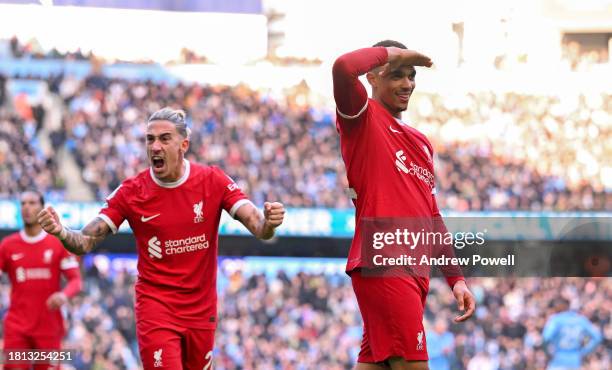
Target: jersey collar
{"points": [[402, 123], [32, 239]]}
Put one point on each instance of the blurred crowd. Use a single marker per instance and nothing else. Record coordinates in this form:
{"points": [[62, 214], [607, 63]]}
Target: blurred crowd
{"points": [[15, 48], [580, 59], [501, 151], [495, 151], [519, 152], [31, 49], [307, 321], [23, 163]]}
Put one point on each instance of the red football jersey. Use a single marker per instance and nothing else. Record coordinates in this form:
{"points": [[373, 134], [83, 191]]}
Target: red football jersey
{"points": [[34, 266], [389, 164], [389, 167], [176, 229]]}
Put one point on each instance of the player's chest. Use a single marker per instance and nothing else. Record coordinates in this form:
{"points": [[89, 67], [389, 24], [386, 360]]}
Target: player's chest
{"points": [[36, 256], [402, 153], [169, 209], [33, 258]]}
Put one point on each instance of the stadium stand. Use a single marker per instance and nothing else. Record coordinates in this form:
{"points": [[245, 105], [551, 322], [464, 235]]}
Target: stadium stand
{"points": [[21, 154], [262, 143]]}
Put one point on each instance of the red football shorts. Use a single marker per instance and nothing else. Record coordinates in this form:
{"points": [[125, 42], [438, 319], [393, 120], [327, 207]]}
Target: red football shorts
{"points": [[17, 341], [392, 311], [167, 346]]}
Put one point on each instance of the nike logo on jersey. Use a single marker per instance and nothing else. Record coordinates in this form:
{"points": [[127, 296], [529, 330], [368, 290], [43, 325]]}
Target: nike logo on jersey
{"points": [[147, 219], [394, 130], [17, 256]]}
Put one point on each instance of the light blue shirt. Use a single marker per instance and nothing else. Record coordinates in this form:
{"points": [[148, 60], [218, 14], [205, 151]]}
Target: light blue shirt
{"points": [[565, 333]]}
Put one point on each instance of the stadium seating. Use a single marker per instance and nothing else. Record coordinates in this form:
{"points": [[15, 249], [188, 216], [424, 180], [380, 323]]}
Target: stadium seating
{"points": [[284, 151]]}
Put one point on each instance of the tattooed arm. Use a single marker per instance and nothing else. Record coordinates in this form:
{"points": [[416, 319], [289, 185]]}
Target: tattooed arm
{"points": [[77, 242]]}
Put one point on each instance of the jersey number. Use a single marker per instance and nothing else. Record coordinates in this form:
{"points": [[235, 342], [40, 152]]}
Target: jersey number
{"points": [[208, 357]]}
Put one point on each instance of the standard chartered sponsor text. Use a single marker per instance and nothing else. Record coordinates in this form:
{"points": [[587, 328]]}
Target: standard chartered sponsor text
{"points": [[189, 244]]}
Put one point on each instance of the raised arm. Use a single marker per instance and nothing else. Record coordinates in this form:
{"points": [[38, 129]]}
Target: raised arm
{"points": [[77, 242], [350, 94], [262, 226]]}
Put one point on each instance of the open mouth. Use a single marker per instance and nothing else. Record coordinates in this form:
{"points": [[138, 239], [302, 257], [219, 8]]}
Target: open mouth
{"points": [[158, 162]]}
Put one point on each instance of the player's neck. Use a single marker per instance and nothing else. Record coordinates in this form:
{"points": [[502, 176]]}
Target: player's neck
{"points": [[176, 175], [32, 230], [394, 113]]}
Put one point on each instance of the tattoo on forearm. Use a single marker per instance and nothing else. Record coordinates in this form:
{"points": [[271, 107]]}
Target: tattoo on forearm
{"points": [[84, 241]]}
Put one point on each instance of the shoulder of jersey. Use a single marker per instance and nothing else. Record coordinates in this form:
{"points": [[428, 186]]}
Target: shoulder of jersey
{"points": [[14, 237], [130, 186], [137, 180], [373, 104], [417, 132], [421, 136], [377, 109], [198, 171], [196, 168]]}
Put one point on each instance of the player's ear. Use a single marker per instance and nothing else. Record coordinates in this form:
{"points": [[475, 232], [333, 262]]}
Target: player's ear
{"points": [[184, 145], [371, 77]]}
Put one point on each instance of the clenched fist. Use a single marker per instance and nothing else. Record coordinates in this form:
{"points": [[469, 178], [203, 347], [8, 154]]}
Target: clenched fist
{"points": [[49, 221], [274, 213]]}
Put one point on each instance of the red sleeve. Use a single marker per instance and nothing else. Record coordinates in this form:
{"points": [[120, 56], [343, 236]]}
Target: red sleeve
{"points": [[350, 94], [69, 266], [233, 197], [453, 274], [114, 210], [73, 287]]}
